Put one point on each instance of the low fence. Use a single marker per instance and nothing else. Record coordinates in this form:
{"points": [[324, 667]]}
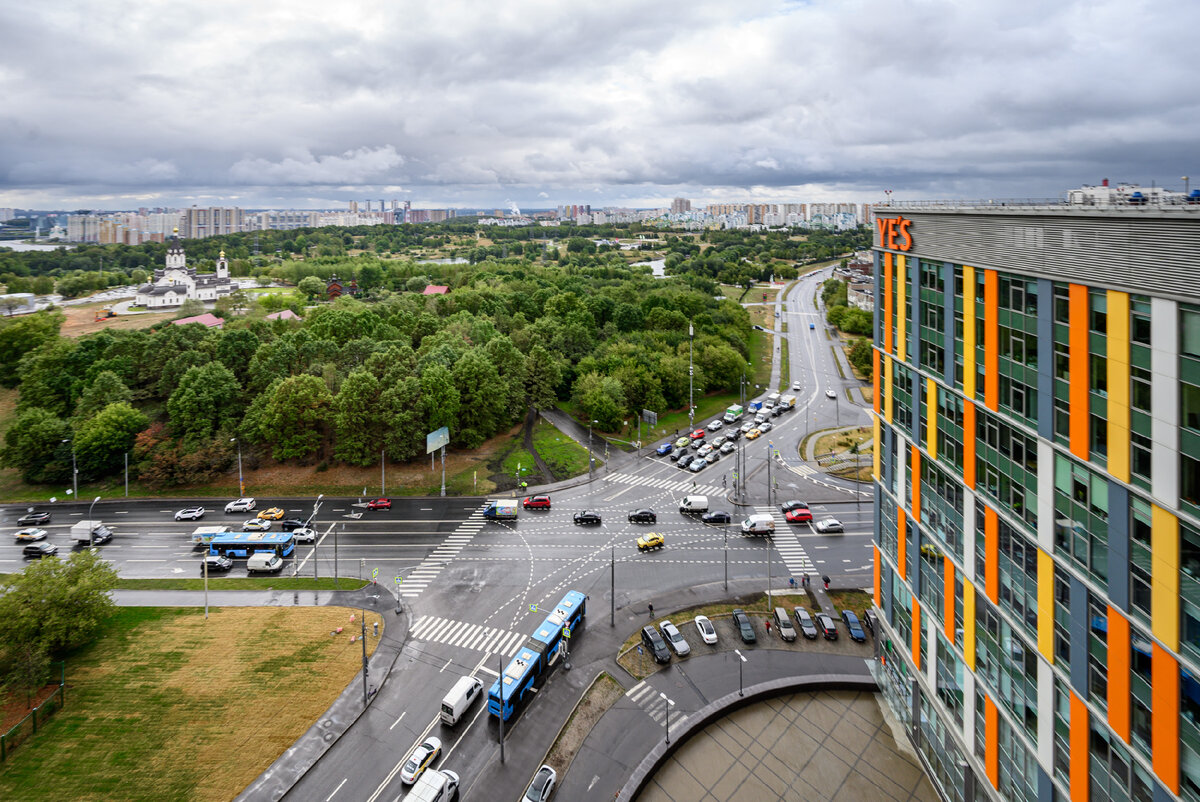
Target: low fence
{"points": [[28, 726]]}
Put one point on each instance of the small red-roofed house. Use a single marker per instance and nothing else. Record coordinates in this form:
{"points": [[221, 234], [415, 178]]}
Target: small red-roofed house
{"points": [[436, 289], [207, 319], [286, 314]]}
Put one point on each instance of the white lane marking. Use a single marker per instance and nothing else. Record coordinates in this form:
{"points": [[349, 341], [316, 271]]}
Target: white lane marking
{"points": [[443, 668], [335, 790], [397, 721]]}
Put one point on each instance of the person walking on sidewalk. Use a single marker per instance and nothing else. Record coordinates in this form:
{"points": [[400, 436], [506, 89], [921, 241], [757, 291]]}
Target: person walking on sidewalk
{"points": [[651, 610], [825, 579]]}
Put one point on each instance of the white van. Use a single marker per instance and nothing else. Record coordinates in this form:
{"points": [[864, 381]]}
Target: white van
{"points": [[461, 696], [758, 525], [264, 562], [434, 785], [693, 504]]}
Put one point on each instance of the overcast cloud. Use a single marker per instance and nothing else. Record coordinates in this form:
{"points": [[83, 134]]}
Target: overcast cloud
{"points": [[309, 104]]}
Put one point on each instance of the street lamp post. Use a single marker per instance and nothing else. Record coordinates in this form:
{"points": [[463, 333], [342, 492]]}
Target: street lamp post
{"points": [[691, 403], [613, 589], [241, 480], [667, 705], [91, 532], [316, 540], [591, 459], [74, 470], [742, 659], [726, 556], [382, 473]]}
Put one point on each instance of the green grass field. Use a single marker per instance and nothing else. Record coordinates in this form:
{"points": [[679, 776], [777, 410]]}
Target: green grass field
{"points": [[217, 582], [565, 457]]}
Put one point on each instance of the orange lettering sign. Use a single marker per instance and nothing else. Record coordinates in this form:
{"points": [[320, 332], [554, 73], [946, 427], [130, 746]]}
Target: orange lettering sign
{"points": [[889, 228]]}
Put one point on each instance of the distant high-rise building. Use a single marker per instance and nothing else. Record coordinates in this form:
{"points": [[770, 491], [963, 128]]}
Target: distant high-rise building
{"points": [[353, 207], [681, 206], [198, 223]]}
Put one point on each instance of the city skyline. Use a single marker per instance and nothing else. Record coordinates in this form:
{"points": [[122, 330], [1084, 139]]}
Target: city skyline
{"points": [[305, 105]]}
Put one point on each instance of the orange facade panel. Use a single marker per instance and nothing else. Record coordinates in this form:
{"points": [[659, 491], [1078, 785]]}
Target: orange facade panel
{"points": [[916, 634], [915, 465], [991, 742], [968, 437], [991, 339], [902, 544], [991, 554], [1118, 673], [1078, 361], [948, 597], [1164, 717], [1080, 736], [877, 382]]}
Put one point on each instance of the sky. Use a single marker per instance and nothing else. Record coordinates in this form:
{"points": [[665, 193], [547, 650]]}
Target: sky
{"points": [[538, 103]]}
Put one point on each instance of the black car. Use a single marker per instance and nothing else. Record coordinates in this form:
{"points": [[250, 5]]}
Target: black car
{"points": [[856, 630], [745, 628], [776, 412], [733, 434], [675, 455], [36, 551], [686, 460], [216, 564], [587, 517], [804, 620], [788, 506], [655, 644], [643, 517], [717, 517], [827, 627], [288, 524], [34, 519]]}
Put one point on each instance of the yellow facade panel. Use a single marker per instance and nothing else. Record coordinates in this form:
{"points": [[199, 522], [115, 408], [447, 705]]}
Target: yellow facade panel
{"points": [[1045, 575], [901, 316], [969, 623], [1118, 385], [931, 409], [1164, 576]]}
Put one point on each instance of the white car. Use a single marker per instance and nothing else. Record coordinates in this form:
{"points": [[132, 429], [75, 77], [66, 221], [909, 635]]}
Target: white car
{"points": [[420, 759], [256, 525], [795, 385], [542, 786], [30, 534], [240, 505], [716, 426], [747, 426], [830, 394], [705, 449], [190, 514], [708, 633], [304, 534], [675, 639], [826, 525]]}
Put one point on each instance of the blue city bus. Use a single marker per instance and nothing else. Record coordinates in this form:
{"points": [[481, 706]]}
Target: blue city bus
{"points": [[243, 544], [540, 652]]}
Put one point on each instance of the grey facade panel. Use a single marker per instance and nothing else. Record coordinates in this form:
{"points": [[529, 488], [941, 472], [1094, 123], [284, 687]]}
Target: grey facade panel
{"points": [[1045, 346], [1079, 638], [1118, 546], [914, 300], [878, 297], [1151, 249]]}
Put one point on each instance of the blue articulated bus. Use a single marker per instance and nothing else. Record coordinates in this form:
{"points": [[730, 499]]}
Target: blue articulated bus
{"points": [[540, 652], [243, 544]]}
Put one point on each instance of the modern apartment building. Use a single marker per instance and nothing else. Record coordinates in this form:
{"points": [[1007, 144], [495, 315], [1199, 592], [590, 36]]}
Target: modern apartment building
{"points": [[1037, 462], [198, 223]]}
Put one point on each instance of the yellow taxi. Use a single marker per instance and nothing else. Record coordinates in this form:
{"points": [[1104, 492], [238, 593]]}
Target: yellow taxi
{"points": [[650, 540], [754, 434], [272, 514]]}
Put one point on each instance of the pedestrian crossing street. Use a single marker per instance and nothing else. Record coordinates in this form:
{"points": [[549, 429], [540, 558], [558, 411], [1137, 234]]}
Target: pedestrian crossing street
{"points": [[794, 556], [649, 701], [666, 484], [423, 575], [468, 636]]}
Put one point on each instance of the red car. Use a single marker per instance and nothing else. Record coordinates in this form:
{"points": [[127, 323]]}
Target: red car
{"points": [[380, 504], [698, 434], [799, 516], [536, 503]]}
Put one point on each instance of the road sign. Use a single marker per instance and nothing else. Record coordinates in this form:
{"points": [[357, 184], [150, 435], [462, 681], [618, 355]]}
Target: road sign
{"points": [[437, 439], [650, 417], [567, 633], [399, 580], [533, 608], [374, 574]]}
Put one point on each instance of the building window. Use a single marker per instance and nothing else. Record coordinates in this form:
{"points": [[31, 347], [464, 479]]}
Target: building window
{"points": [[1139, 320], [1098, 373], [1189, 335], [1141, 456], [1097, 652], [1141, 390], [1062, 615], [1098, 312], [1062, 304]]}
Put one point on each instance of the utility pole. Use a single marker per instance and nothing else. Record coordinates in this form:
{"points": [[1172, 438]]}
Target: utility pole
{"points": [[363, 621], [500, 660], [691, 403], [613, 587]]}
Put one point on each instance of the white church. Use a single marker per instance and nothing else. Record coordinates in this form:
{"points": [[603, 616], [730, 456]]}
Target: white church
{"points": [[177, 282]]}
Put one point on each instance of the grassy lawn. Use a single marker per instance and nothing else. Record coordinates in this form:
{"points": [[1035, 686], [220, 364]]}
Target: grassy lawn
{"points": [[760, 356], [842, 441], [168, 706], [565, 457], [243, 583], [785, 380], [517, 458]]}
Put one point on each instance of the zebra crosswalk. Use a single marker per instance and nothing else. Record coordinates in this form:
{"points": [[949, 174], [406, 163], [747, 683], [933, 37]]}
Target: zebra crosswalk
{"points": [[794, 556], [423, 575], [645, 697], [469, 636], [665, 484]]}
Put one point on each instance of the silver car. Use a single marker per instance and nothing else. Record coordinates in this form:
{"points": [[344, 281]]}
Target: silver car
{"points": [[304, 534], [675, 639]]}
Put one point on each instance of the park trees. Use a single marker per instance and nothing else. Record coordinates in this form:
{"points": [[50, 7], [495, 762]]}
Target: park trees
{"points": [[33, 445], [295, 417], [102, 441], [21, 335], [207, 400]]}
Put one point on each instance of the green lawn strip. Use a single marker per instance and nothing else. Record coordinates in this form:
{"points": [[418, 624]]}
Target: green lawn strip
{"points": [[760, 357], [565, 457], [516, 458], [243, 583], [856, 600], [785, 380]]}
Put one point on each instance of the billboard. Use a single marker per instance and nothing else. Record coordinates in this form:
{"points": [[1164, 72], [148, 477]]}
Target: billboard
{"points": [[437, 439]]}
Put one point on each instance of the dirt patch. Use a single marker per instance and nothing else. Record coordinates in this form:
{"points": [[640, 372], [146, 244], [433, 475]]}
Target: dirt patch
{"points": [[17, 706], [81, 320], [603, 694]]}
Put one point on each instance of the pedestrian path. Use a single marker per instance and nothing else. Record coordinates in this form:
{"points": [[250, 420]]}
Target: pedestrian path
{"points": [[649, 701], [665, 484], [423, 575], [794, 556], [468, 636]]}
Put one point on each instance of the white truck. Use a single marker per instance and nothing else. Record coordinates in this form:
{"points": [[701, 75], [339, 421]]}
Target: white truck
{"points": [[771, 400], [788, 402], [90, 532], [434, 785], [734, 413]]}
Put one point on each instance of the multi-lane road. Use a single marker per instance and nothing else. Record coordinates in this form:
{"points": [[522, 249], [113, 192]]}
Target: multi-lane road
{"points": [[468, 583]]}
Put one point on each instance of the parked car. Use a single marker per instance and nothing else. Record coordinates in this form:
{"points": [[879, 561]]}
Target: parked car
{"points": [[788, 506], [655, 644], [35, 551], [830, 394], [675, 457], [783, 624], [728, 448], [800, 516], [289, 524], [777, 411], [705, 450], [644, 516], [717, 517], [733, 435], [827, 626], [856, 630], [686, 460], [675, 639], [664, 449], [379, 504], [697, 465], [717, 442], [542, 786], [304, 534], [30, 534], [190, 514], [256, 525], [804, 620], [683, 442], [536, 503], [698, 434], [716, 426], [827, 525], [271, 514], [713, 456], [708, 633], [746, 427], [34, 519], [587, 517], [421, 758], [216, 563], [650, 540], [745, 628]]}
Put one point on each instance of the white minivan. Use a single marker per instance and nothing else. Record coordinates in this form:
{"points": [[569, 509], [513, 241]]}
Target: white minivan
{"points": [[758, 525], [693, 504], [264, 562], [460, 698]]}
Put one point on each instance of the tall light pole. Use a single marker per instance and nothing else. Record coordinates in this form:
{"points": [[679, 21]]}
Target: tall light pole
{"points": [[591, 459], [241, 481], [726, 556], [316, 540], [691, 404], [667, 705], [91, 529], [382, 474], [742, 659], [74, 470]]}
